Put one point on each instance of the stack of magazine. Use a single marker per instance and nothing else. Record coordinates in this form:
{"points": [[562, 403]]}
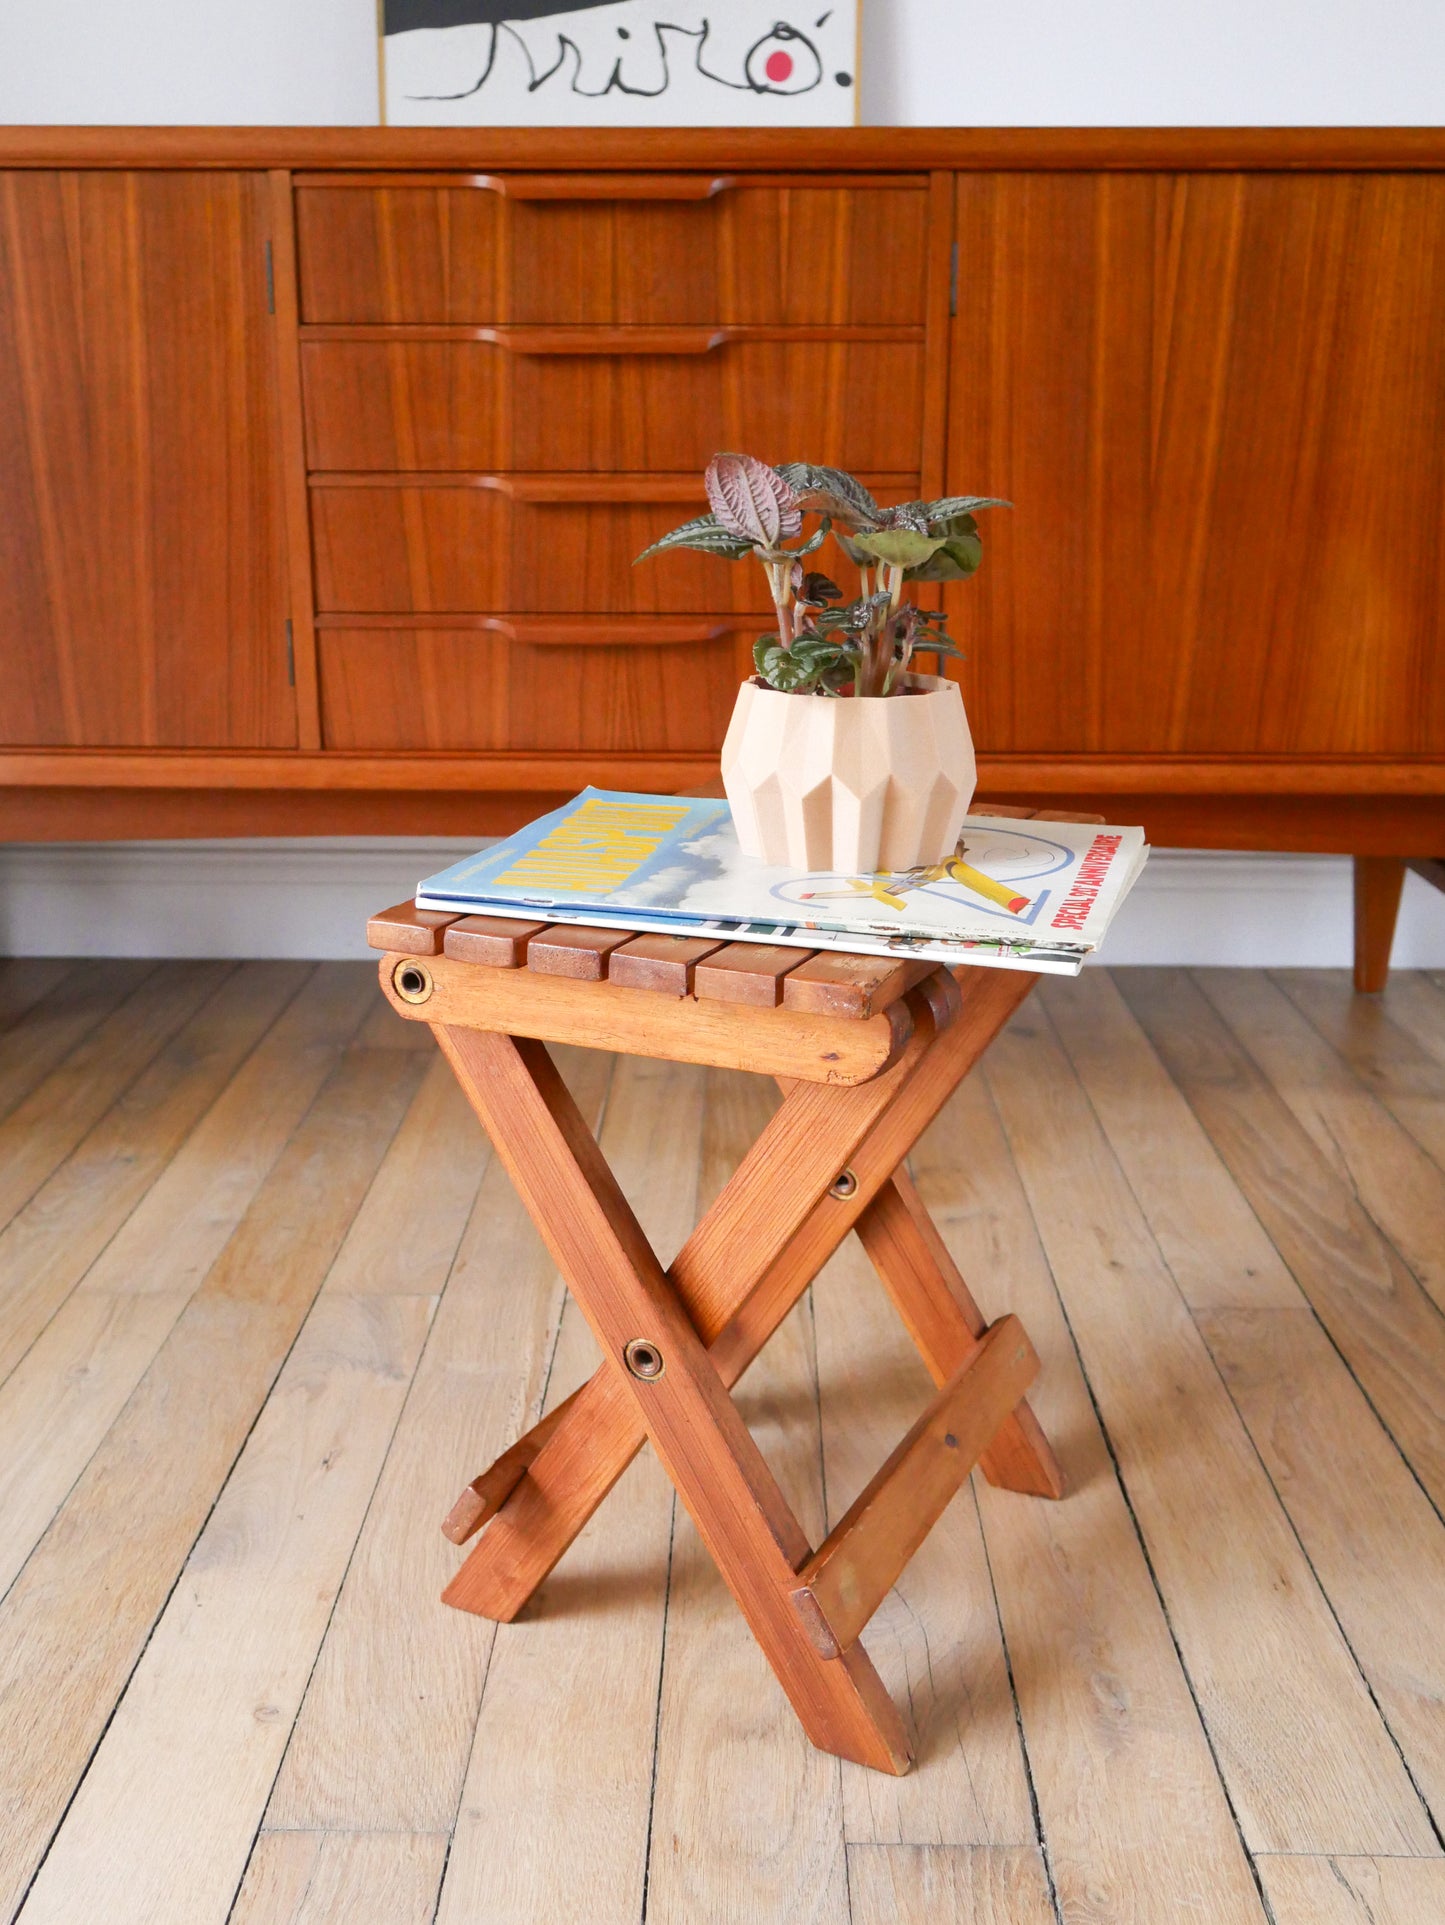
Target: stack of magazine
{"points": [[1017, 893]]}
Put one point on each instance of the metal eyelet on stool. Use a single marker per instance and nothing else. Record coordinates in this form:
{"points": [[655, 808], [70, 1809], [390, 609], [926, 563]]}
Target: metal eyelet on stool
{"points": [[412, 981], [844, 1185], [644, 1359]]}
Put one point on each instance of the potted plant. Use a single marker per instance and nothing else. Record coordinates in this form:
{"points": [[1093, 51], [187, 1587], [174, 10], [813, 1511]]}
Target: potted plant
{"points": [[840, 756]]}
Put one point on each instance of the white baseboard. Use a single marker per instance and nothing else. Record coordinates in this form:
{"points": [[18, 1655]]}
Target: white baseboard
{"points": [[311, 898]]}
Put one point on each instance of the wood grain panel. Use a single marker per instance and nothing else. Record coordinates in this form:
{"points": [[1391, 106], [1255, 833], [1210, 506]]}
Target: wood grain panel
{"points": [[1218, 403], [143, 584], [438, 547], [399, 689], [443, 550], [755, 149], [406, 405], [794, 254]]}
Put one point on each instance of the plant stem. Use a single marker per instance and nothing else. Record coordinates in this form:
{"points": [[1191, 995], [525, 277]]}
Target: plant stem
{"points": [[777, 582]]}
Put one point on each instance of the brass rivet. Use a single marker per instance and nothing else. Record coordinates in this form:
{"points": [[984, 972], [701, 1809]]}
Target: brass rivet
{"points": [[644, 1359], [412, 981], [950, 1440], [844, 1185]]}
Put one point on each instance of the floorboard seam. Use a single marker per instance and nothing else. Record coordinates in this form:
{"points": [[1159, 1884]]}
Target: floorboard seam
{"points": [[539, 1407], [1039, 1836], [79, 1042], [181, 1568], [657, 1716], [1384, 1100], [1306, 1301], [845, 1842], [341, 1586], [120, 1095], [160, 1173], [1248, 1435], [1119, 1479], [1344, 1176]]}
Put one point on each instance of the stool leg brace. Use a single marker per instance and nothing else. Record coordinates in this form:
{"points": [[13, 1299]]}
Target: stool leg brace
{"points": [[700, 1324]]}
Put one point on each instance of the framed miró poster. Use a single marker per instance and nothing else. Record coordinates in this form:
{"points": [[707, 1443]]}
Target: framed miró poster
{"points": [[620, 63]]}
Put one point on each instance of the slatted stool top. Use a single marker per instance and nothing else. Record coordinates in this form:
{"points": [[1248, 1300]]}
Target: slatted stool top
{"points": [[823, 1017]]}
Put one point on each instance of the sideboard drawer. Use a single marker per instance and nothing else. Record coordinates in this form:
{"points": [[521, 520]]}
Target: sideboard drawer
{"points": [[418, 405], [459, 689], [484, 249], [550, 545], [435, 549]]}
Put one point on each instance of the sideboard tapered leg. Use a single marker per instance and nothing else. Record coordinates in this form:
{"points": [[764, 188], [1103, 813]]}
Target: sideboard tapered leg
{"points": [[1378, 882]]}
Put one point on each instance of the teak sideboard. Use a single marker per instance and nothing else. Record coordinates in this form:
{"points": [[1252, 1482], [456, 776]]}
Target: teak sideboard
{"points": [[324, 454]]}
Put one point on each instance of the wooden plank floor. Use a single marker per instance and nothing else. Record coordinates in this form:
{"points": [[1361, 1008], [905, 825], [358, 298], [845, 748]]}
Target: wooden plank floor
{"points": [[266, 1303]]}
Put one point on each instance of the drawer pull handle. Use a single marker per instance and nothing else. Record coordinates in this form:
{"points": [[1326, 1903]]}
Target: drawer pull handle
{"points": [[583, 490], [623, 340], [580, 635], [558, 631], [631, 338], [611, 490], [607, 187]]}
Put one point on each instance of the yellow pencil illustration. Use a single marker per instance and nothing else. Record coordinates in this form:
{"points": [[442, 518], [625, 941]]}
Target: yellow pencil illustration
{"points": [[957, 870], [891, 890], [879, 887]]}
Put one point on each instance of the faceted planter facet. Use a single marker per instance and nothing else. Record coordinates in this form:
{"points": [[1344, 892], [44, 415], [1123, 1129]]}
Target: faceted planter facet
{"points": [[846, 783]]}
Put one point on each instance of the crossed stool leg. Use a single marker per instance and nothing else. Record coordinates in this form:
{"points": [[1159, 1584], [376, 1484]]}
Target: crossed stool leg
{"points": [[676, 1342]]}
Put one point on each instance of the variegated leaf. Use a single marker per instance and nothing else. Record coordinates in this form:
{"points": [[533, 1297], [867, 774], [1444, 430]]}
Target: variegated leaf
{"points": [[706, 533], [752, 500]]}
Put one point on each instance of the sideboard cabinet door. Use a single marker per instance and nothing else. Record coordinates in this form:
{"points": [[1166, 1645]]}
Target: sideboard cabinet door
{"points": [[142, 561], [1217, 402]]}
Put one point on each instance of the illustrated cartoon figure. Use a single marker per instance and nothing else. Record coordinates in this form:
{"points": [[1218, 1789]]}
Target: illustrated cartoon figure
{"points": [[595, 48]]}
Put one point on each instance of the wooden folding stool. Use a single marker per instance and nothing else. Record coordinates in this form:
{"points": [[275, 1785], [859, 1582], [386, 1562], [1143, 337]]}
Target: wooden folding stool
{"points": [[867, 1051]]}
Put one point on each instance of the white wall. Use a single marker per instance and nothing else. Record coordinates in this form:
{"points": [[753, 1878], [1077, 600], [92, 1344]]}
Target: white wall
{"points": [[1159, 63], [154, 62], [939, 62], [312, 898]]}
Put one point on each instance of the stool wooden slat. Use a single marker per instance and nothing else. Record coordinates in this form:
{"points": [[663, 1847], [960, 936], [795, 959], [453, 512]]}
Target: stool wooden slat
{"points": [[667, 964], [409, 930], [578, 953], [749, 972], [496, 941], [866, 1052], [831, 984]]}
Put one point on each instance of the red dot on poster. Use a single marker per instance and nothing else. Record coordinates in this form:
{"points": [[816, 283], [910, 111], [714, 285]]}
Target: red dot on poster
{"points": [[779, 67]]}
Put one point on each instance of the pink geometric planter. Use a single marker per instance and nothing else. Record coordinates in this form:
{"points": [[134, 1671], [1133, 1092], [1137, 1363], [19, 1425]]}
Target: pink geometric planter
{"points": [[849, 784]]}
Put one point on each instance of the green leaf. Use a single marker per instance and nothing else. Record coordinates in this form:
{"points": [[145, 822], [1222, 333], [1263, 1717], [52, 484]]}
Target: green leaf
{"points": [[784, 671], [958, 525], [954, 561], [810, 662], [752, 500], [851, 549], [900, 547], [705, 533]]}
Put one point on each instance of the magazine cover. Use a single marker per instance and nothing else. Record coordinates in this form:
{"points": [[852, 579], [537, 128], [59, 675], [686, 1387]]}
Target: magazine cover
{"points": [[1034, 894]]}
